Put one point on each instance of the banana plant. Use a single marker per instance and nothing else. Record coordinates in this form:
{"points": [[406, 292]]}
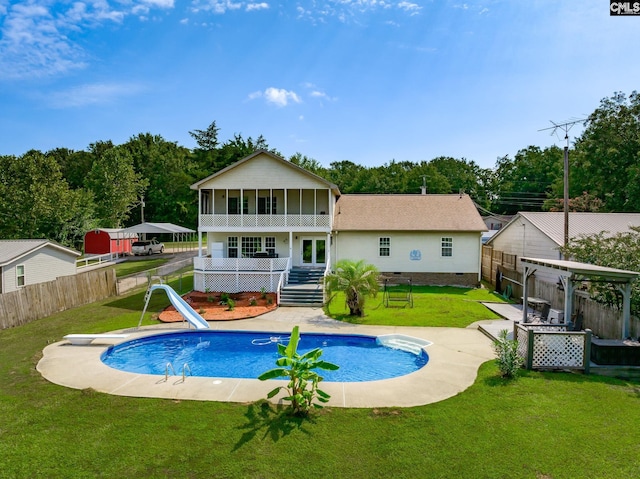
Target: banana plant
{"points": [[302, 387]]}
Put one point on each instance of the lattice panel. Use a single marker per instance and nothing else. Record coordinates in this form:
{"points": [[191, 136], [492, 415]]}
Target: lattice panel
{"points": [[558, 350], [235, 283], [240, 264], [523, 344]]}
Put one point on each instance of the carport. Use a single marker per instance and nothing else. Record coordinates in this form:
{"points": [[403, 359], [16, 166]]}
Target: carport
{"points": [[179, 234], [573, 273]]}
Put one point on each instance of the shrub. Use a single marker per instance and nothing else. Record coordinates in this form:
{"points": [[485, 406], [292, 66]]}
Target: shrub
{"points": [[507, 358], [303, 381], [252, 301], [263, 293], [231, 304]]}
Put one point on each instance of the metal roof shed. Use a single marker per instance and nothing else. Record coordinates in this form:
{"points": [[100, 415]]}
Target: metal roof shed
{"points": [[572, 272]]}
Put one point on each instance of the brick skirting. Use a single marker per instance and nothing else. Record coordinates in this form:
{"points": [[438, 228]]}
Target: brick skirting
{"points": [[433, 279]]}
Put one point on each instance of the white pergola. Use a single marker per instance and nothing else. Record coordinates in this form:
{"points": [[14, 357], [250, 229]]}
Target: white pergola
{"points": [[571, 273]]}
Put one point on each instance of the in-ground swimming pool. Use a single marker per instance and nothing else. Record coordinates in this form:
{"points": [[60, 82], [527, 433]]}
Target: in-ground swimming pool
{"points": [[247, 354]]}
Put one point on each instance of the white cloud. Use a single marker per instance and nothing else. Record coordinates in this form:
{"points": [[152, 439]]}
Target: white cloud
{"points": [[276, 96], [321, 95], [410, 7], [159, 3], [34, 36], [92, 94], [216, 6], [281, 97], [257, 6]]}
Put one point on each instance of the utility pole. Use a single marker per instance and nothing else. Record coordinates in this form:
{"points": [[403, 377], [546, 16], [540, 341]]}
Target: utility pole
{"points": [[565, 127]]}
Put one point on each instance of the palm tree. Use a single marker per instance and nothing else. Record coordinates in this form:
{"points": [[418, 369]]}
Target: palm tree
{"points": [[357, 280]]}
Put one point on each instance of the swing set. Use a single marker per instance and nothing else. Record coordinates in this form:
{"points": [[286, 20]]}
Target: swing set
{"points": [[398, 291]]}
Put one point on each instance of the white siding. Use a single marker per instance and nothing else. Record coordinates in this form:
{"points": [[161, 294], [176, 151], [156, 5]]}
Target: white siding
{"points": [[365, 245], [522, 238], [45, 264], [260, 172], [282, 240]]}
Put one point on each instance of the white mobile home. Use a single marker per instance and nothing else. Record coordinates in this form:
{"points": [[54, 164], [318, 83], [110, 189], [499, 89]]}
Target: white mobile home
{"points": [[25, 262]]}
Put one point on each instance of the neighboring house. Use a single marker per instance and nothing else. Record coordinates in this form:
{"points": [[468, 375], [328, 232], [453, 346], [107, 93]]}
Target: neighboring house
{"points": [[108, 241], [496, 222], [433, 239], [541, 234], [264, 216], [26, 262]]}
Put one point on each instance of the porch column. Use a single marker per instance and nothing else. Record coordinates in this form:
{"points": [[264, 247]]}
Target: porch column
{"points": [[626, 310], [525, 293], [327, 250], [291, 246], [199, 220], [569, 288]]}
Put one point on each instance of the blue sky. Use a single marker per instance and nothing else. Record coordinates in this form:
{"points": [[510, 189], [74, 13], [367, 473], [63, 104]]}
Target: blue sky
{"points": [[369, 81]]}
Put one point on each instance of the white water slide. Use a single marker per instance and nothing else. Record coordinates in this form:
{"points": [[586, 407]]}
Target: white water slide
{"points": [[187, 312]]}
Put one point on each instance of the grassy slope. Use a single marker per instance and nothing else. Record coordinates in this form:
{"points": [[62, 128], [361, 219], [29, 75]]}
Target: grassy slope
{"points": [[543, 425]]}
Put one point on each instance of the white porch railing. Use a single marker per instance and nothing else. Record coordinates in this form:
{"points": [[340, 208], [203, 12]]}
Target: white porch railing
{"points": [[235, 275], [96, 260], [240, 264], [264, 221]]}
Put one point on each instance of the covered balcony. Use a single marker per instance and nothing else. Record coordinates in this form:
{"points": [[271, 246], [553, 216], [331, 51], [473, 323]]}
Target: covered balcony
{"points": [[261, 209]]}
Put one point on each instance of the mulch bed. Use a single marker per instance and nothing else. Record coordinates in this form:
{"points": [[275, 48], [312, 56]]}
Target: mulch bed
{"points": [[247, 305]]}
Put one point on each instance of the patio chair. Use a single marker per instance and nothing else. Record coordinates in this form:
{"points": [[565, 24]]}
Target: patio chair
{"points": [[577, 324], [544, 314]]}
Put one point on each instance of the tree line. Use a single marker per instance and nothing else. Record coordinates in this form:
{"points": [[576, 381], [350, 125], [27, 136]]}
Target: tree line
{"points": [[60, 194]]}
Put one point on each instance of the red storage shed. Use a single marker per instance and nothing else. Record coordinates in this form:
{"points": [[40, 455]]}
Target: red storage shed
{"points": [[108, 240]]}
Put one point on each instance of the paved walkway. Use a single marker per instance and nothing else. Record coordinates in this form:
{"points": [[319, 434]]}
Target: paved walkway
{"points": [[454, 359], [510, 312]]}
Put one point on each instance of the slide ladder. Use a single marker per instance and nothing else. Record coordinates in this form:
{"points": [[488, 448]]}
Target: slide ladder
{"points": [[187, 312]]}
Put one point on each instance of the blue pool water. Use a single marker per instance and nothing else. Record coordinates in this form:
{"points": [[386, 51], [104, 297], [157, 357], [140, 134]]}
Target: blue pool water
{"points": [[246, 354]]}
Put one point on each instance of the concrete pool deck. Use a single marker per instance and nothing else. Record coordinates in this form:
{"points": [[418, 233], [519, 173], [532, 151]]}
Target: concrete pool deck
{"points": [[454, 359]]}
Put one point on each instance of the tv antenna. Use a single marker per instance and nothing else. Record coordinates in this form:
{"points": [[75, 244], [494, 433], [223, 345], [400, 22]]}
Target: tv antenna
{"points": [[565, 127]]}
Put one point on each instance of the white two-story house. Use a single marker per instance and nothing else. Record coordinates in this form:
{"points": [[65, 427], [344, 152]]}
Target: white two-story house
{"points": [[259, 218], [263, 219]]}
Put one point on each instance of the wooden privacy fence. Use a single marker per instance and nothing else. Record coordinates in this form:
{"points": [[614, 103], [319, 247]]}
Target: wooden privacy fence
{"points": [[43, 299]]}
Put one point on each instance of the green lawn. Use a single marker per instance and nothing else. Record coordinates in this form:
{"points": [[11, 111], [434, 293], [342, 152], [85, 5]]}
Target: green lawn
{"points": [[432, 306], [543, 425], [132, 267]]}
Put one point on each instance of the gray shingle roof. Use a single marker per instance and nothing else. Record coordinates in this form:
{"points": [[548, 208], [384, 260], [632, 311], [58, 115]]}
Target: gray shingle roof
{"points": [[407, 213], [10, 250]]}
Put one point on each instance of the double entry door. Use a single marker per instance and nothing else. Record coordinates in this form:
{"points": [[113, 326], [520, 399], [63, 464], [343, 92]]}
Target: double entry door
{"points": [[313, 251]]}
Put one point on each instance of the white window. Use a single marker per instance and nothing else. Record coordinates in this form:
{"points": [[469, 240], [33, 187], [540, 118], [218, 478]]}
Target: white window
{"points": [[270, 245], [232, 247], [385, 246], [251, 245], [20, 275], [447, 246]]}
